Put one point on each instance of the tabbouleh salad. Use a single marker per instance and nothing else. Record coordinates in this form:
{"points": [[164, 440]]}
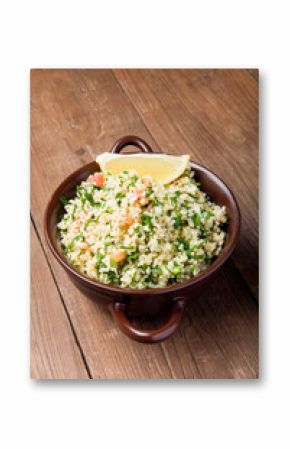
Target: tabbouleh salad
{"points": [[136, 233]]}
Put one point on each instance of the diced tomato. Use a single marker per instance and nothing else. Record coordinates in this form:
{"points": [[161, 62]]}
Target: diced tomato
{"points": [[97, 179], [138, 194], [135, 199], [126, 221]]}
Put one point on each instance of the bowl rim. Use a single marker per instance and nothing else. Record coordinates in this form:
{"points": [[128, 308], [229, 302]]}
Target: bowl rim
{"points": [[175, 288]]}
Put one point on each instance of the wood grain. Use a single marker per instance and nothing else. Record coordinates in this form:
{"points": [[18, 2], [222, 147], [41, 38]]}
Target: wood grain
{"points": [[74, 115], [212, 114], [54, 352], [254, 73]]}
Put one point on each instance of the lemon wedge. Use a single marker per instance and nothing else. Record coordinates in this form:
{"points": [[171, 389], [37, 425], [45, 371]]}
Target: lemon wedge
{"points": [[161, 167]]}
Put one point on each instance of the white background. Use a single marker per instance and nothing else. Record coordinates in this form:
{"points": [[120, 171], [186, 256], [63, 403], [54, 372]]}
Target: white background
{"points": [[184, 414]]}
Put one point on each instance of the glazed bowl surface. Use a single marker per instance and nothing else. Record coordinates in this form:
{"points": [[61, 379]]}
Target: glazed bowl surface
{"points": [[146, 302]]}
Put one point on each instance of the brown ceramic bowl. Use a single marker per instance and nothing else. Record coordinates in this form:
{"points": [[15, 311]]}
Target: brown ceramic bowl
{"points": [[147, 302]]}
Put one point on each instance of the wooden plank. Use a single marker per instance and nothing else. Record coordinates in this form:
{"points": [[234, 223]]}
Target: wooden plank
{"points": [[218, 338], [91, 97], [55, 153], [254, 73], [213, 114], [54, 353]]}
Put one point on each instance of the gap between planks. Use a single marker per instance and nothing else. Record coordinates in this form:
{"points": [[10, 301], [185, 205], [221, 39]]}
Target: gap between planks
{"points": [[62, 301], [74, 333], [240, 274], [161, 106], [149, 133]]}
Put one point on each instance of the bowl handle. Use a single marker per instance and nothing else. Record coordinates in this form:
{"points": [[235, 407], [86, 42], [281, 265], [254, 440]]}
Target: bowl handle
{"points": [[131, 140], [118, 310]]}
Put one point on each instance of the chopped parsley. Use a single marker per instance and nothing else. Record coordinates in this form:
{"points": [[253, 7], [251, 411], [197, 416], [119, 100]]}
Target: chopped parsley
{"points": [[177, 219], [146, 220], [63, 200]]}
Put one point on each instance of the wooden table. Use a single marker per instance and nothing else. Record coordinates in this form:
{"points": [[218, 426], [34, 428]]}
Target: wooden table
{"points": [[211, 114]]}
